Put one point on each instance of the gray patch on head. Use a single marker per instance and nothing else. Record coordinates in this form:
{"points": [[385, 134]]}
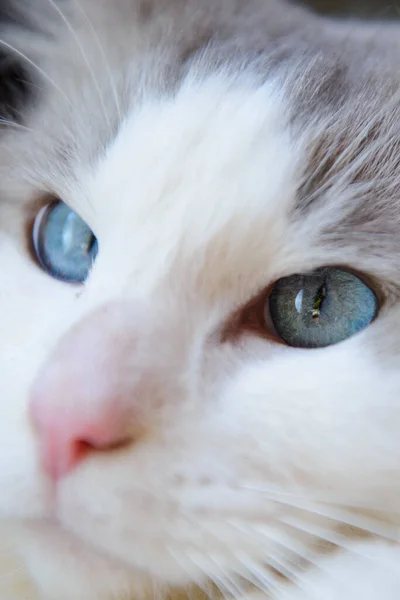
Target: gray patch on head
{"points": [[336, 77], [351, 179], [345, 110]]}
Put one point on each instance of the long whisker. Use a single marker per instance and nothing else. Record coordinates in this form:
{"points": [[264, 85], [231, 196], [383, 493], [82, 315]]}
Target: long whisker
{"points": [[318, 497], [328, 510], [192, 576], [84, 56], [225, 580], [39, 69], [256, 574], [333, 537], [225, 588], [13, 124], [288, 545], [259, 576], [103, 54], [363, 524]]}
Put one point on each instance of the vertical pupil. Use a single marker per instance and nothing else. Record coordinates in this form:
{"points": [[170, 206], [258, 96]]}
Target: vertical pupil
{"points": [[90, 244], [318, 301]]}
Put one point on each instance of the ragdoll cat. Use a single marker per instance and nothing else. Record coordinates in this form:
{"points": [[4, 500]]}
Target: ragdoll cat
{"points": [[200, 282]]}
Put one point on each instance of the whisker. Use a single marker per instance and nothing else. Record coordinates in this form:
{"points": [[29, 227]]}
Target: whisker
{"points": [[227, 580], [16, 125], [22, 127], [39, 69], [84, 56], [192, 576], [275, 494], [368, 526], [103, 54], [329, 510], [288, 545], [220, 585], [261, 578]]}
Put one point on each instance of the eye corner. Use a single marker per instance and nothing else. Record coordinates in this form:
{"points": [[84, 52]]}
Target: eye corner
{"points": [[249, 319]]}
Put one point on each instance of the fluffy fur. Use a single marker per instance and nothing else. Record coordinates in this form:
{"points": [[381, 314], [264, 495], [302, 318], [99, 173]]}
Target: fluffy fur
{"points": [[212, 148]]}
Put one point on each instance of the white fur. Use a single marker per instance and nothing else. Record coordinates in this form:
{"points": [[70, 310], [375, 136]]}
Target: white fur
{"points": [[255, 451]]}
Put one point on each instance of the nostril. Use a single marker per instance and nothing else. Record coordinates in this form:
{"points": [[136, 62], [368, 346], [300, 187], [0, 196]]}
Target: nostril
{"points": [[68, 437], [61, 455], [81, 449], [87, 445]]}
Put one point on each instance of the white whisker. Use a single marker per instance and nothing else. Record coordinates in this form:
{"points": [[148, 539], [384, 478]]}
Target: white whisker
{"points": [[84, 56], [22, 127], [39, 69], [104, 57], [193, 576], [288, 545], [352, 520], [15, 125], [336, 538], [226, 582], [258, 576]]}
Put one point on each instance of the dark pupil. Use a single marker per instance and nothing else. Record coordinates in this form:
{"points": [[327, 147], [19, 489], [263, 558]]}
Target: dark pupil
{"points": [[319, 299]]}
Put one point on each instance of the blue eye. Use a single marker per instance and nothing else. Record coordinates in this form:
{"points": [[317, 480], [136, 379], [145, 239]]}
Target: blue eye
{"points": [[64, 245], [321, 308]]}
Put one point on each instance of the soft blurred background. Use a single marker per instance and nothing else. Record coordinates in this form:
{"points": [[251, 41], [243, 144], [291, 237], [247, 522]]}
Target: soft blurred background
{"points": [[380, 9]]}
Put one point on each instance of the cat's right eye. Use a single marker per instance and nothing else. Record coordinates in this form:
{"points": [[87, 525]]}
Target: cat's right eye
{"points": [[63, 243]]}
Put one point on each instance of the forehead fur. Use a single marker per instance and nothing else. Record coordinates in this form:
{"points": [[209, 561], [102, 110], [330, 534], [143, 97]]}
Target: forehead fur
{"points": [[339, 82], [184, 200], [198, 146]]}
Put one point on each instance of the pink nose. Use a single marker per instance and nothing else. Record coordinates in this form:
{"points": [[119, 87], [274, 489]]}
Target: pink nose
{"points": [[66, 437], [82, 401]]}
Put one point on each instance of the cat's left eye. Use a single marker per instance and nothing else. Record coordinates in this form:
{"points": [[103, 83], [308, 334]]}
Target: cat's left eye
{"points": [[64, 244], [321, 308]]}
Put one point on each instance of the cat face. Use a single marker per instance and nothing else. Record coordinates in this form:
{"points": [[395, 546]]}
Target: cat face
{"points": [[179, 417]]}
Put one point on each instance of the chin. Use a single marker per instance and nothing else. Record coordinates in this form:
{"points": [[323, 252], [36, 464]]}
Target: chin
{"points": [[53, 564]]}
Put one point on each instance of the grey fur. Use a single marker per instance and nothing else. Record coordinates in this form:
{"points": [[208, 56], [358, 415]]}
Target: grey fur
{"points": [[341, 77]]}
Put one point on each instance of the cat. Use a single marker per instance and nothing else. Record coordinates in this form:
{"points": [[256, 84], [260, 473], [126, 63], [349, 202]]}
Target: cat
{"points": [[200, 335]]}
